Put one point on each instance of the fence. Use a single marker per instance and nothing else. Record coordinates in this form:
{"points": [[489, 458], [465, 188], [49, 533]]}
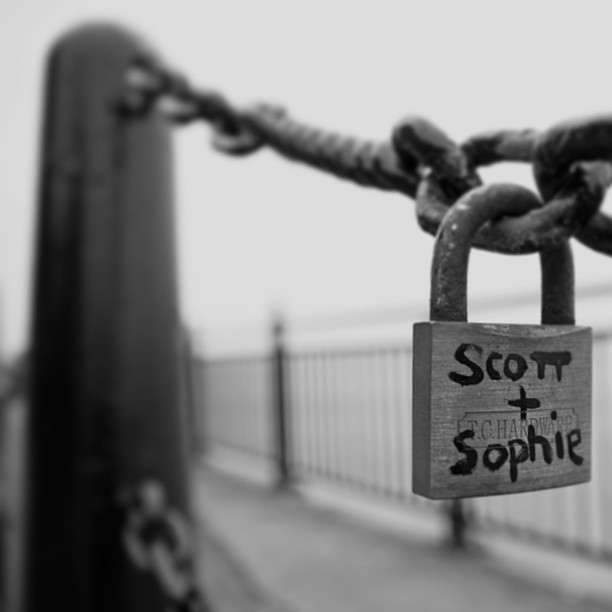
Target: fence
{"points": [[349, 424]]}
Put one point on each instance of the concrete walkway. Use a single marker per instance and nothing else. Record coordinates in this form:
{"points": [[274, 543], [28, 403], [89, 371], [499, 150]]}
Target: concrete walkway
{"points": [[283, 554]]}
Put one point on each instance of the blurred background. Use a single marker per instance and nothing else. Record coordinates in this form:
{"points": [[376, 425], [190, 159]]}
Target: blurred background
{"points": [[345, 268], [258, 234]]}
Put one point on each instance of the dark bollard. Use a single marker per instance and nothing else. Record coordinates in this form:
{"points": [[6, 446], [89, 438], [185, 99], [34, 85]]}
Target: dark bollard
{"points": [[107, 440]]}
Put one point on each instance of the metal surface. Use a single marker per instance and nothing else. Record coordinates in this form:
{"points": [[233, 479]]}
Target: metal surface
{"points": [[501, 145], [453, 245], [539, 228], [450, 173], [566, 149], [449, 274], [434, 150]]}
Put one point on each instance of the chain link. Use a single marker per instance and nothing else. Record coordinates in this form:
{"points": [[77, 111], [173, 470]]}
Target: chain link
{"points": [[451, 172], [237, 132], [572, 161], [158, 540]]}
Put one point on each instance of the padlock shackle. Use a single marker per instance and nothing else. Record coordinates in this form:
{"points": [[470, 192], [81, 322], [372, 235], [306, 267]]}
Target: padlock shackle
{"points": [[452, 252]]}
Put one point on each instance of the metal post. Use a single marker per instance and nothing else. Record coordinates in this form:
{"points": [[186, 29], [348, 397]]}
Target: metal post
{"points": [[106, 401], [281, 405], [458, 524], [193, 371], [198, 376]]}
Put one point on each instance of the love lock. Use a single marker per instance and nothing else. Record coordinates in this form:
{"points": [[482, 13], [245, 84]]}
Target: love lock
{"points": [[498, 408]]}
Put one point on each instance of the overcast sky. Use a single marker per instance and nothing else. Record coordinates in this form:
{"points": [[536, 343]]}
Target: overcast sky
{"points": [[262, 233]]}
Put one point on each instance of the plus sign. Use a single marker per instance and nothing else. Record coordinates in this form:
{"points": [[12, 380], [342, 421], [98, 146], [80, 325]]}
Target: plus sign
{"points": [[524, 403]]}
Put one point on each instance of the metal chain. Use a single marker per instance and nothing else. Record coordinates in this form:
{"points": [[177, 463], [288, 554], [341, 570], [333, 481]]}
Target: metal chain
{"points": [[571, 161], [158, 540], [238, 132]]}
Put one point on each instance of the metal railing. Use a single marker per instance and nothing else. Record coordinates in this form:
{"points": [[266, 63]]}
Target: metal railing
{"points": [[350, 426], [240, 390]]}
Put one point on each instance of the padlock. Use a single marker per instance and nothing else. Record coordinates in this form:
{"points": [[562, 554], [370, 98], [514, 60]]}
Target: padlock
{"points": [[498, 408]]}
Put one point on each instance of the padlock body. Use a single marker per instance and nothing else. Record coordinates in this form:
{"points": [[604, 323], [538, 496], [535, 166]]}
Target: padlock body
{"points": [[500, 408]]}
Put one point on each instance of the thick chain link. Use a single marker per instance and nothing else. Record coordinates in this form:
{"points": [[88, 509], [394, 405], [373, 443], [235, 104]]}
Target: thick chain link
{"points": [[158, 540], [450, 172], [243, 132], [572, 161]]}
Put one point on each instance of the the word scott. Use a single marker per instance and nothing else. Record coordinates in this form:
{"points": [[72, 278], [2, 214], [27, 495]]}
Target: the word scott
{"points": [[512, 366]]}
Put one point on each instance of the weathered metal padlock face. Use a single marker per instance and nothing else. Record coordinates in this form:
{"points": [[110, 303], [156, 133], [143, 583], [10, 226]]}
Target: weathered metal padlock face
{"points": [[500, 408]]}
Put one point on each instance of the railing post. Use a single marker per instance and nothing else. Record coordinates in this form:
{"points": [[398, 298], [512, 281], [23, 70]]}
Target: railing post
{"points": [[106, 404], [281, 413], [194, 382], [198, 373], [458, 523]]}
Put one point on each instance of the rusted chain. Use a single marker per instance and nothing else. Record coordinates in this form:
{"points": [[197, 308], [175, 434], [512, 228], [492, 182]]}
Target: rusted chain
{"points": [[540, 228], [502, 145], [571, 161], [437, 153], [452, 173], [562, 151], [241, 132], [366, 163]]}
